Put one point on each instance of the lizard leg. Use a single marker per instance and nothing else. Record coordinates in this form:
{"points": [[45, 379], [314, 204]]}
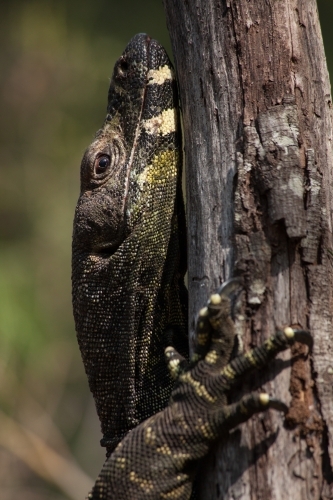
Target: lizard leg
{"points": [[158, 459], [260, 356]]}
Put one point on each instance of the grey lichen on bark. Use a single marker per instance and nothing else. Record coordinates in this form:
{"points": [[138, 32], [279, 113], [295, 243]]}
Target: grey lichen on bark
{"points": [[256, 107]]}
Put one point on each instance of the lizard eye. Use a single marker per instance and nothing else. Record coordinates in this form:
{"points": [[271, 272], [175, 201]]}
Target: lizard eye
{"points": [[102, 163]]}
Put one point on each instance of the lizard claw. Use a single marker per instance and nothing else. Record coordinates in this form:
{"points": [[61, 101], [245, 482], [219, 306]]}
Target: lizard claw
{"points": [[274, 403], [230, 286], [302, 336]]}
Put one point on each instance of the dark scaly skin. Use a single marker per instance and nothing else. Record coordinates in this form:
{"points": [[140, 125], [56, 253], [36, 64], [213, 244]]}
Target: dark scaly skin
{"points": [[158, 459], [129, 230], [130, 303]]}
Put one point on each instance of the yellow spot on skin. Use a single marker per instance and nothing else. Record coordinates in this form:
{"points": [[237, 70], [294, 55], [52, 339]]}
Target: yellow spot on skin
{"points": [[173, 366], [164, 449], [211, 357], [174, 363], [163, 124], [195, 357], [162, 169], [180, 459], [215, 299], [145, 484], [150, 436], [199, 388], [289, 332], [228, 372], [206, 430], [250, 357], [202, 338], [270, 345], [160, 75], [177, 492], [121, 462], [264, 399]]}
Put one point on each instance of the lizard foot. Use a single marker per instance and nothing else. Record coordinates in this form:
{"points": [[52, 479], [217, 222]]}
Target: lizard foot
{"points": [[212, 372], [158, 459]]}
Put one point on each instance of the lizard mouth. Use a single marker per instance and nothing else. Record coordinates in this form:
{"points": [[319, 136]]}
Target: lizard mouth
{"points": [[106, 249]]}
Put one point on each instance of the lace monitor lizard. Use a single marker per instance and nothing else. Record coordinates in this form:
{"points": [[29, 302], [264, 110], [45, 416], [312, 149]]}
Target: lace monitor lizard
{"points": [[130, 302]]}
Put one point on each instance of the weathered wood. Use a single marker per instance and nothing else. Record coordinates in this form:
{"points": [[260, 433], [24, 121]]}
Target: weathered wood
{"points": [[256, 106]]}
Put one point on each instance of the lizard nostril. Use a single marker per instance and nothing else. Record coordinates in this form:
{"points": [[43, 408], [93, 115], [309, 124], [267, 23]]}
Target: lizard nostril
{"points": [[122, 67]]}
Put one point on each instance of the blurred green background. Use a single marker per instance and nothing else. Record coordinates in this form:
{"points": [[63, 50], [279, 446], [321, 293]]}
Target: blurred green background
{"points": [[56, 60]]}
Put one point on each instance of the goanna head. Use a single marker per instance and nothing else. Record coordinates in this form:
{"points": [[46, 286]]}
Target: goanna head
{"points": [[134, 159]]}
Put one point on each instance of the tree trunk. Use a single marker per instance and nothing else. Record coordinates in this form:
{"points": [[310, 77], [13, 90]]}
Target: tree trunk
{"points": [[256, 107]]}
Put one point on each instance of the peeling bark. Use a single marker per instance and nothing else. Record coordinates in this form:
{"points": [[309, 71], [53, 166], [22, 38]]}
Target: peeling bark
{"points": [[256, 106]]}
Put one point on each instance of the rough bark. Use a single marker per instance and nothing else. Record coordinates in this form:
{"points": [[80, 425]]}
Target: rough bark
{"points": [[256, 107]]}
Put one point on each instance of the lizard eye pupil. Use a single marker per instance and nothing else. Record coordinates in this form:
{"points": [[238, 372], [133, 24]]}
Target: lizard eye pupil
{"points": [[102, 164]]}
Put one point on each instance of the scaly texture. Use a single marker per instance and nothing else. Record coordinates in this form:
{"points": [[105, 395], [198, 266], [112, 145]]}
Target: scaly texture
{"points": [[159, 459], [129, 298], [130, 303]]}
